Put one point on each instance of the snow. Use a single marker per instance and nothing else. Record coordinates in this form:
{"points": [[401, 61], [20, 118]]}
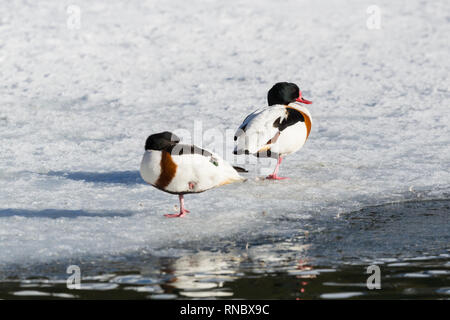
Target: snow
{"points": [[76, 106]]}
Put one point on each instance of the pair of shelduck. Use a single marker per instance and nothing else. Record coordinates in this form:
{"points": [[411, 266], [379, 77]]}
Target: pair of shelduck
{"points": [[274, 131]]}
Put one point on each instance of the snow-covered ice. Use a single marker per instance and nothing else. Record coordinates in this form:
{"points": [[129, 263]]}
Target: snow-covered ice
{"points": [[76, 105]]}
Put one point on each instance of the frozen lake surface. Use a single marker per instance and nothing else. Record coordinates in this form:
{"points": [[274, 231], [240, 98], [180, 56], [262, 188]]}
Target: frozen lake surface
{"points": [[76, 105]]}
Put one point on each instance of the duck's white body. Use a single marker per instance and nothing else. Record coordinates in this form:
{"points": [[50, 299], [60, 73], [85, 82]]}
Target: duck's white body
{"points": [[186, 173], [258, 135]]}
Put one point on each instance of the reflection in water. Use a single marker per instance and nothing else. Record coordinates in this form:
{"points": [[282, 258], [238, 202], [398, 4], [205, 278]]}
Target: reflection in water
{"points": [[318, 259], [243, 275], [208, 274], [203, 274], [303, 266]]}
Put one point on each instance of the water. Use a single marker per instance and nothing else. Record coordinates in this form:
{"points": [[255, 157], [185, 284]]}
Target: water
{"points": [[322, 258]]}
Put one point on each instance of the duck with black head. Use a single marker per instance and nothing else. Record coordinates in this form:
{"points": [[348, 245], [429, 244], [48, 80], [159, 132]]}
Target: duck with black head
{"points": [[278, 130], [180, 169]]}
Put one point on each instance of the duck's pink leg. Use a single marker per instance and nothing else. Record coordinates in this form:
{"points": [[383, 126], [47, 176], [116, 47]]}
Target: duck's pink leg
{"points": [[274, 175], [183, 211]]}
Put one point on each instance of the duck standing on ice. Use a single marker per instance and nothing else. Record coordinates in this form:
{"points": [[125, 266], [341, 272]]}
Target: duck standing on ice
{"points": [[278, 130], [179, 169]]}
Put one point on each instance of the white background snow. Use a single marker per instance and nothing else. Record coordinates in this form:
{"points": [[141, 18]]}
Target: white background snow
{"points": [[76, 105]]}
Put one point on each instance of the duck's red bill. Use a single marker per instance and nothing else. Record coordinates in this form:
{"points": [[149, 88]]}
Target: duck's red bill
{"points": [[301, 99]]}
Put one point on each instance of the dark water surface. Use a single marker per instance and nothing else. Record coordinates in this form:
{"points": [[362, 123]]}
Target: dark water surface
{"points": [[320, 258]]}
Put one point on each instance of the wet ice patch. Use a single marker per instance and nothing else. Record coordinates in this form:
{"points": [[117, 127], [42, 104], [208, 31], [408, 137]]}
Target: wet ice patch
{"points": [[97, 286], [444, 291], [134, 279], [145, 289], [341, 295], [31, 293], [163, 296]]}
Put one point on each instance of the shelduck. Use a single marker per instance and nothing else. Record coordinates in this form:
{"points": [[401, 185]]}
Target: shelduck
{"points": [[278, 130], [180, 169]]}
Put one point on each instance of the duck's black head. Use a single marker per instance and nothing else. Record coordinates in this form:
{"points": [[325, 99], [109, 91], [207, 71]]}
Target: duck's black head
{"points": [[285, 93], [161, 141]]}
